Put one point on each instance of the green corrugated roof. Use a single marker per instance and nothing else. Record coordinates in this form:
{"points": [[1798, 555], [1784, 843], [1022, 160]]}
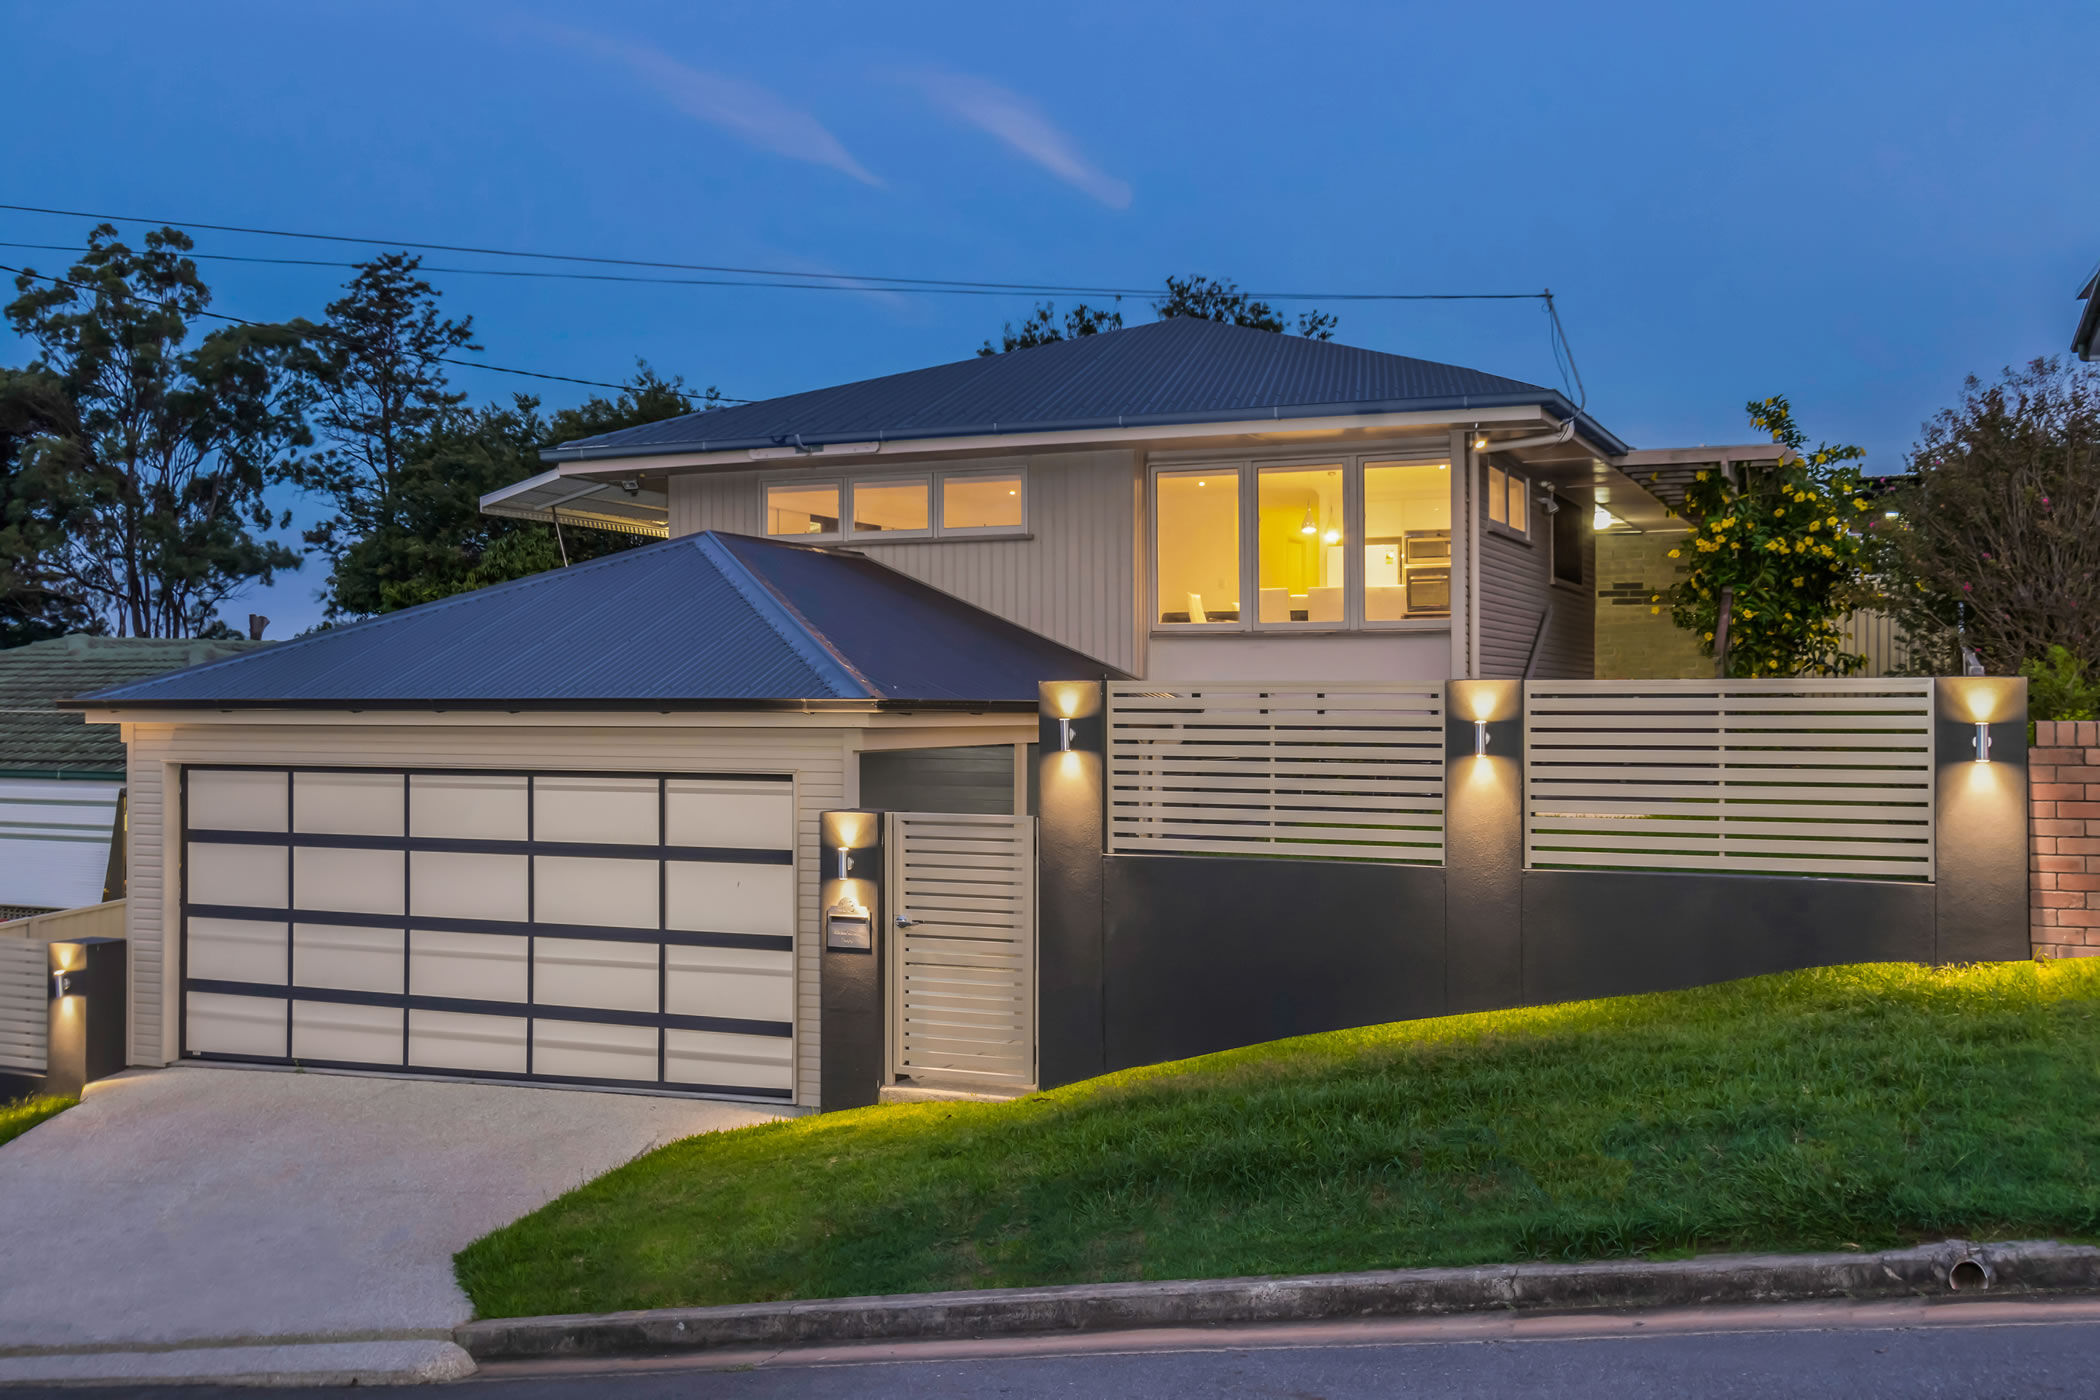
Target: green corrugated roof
{"points": [[38, 737]]}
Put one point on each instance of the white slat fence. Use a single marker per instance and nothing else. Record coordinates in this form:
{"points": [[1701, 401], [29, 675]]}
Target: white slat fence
{"points": [[1778, 777], [25, 1001], [1341, 771]]}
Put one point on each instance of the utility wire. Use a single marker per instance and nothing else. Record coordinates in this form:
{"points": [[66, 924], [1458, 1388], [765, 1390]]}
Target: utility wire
{"points": [[443, 359]]}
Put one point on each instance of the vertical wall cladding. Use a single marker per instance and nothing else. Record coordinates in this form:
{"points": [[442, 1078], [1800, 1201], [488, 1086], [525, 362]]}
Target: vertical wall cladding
{"points": [[1516, 586], [815, 755], [1074, 579]]}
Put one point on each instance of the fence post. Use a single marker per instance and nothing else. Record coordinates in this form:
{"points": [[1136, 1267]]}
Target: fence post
{"points": [[87, 1021], [1483, 845], [853, 936], [1070, 851], [1980, 820]]}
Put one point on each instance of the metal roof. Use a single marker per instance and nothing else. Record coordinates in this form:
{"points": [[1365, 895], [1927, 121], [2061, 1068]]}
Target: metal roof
{"points": [[2089, 319], [37, 738], [708, 620], [1179, 370]]}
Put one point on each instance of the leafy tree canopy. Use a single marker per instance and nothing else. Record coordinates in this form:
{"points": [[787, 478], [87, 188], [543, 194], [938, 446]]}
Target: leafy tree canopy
{"points": [[1783, 548], [136, 452], [1206, 298]]}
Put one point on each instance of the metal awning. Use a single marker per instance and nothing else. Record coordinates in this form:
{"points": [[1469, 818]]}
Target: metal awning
{"points": [[1666, 473], [630, 507]]}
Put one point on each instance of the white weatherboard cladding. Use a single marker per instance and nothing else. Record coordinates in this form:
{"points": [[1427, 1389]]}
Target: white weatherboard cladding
{"points": [[485, 805], [1073, 579]]}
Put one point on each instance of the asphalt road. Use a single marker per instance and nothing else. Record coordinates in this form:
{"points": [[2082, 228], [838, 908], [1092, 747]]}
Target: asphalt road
{"points": [[1970, 1350]]}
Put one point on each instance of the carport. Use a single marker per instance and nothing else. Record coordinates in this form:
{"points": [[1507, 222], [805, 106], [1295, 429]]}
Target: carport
{"points": [[565, 829]]}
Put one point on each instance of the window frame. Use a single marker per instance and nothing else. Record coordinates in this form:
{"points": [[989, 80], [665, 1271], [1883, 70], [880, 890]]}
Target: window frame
{"points": [[837, 484], [1247, 469], [1502, 526], [935, 479]]}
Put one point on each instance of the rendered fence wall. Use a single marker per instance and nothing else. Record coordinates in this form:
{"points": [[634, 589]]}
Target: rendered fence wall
{"points": [[1783, 777], [1318, 771]]}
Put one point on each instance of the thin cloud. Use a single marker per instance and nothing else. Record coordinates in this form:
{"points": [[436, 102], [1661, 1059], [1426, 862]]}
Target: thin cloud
{"points": [[1021, 124], [737, 105]]}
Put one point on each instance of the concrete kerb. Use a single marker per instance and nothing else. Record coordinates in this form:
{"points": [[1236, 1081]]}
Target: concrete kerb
{"points": [[1946, 1269]]}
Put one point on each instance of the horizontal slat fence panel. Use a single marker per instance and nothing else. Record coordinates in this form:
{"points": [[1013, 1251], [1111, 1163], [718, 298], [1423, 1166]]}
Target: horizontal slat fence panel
{"points": [[25, 1003], [1342, 771], [1778, 777]]}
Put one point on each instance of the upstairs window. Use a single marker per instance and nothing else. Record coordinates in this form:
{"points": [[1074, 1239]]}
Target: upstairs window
{"points": [[1300, 545], [1197, 545], [803, 509], [899, 506], [1507, 502], [921, 506], [982, 502]]}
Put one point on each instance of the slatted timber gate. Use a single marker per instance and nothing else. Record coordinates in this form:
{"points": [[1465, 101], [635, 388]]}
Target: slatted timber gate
{"points": [[1779, 777], [962, 973]]}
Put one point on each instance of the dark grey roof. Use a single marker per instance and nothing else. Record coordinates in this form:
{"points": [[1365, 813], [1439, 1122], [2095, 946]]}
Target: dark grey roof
{"points": [[1180, 370], [702, 621], [36, 736]]}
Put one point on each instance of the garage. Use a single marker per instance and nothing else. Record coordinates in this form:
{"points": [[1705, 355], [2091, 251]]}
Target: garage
{"points": [[621, 930]]}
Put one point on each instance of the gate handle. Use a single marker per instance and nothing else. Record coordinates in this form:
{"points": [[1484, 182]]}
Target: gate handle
{"points": [[905, 922]]}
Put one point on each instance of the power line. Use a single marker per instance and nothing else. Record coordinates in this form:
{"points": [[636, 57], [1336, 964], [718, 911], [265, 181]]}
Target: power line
{"points": [[443, 359], [844, 281]]}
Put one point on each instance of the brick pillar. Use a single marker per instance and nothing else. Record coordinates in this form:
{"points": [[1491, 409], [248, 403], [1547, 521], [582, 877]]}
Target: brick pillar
{"points": [[2063, 835]]}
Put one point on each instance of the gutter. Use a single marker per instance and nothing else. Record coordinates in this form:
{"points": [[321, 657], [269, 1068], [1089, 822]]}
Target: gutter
{"points": [[65, 775], [581, 705]]}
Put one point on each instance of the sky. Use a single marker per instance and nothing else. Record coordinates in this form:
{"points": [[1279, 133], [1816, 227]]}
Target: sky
{"points": [[1853, 204]]}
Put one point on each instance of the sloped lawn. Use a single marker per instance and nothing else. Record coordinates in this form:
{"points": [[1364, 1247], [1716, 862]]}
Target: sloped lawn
{"points": [[18, 1116], [1851, 1107]]}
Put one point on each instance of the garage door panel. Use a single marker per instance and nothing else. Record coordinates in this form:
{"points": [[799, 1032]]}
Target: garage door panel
{"points": [[460, 1041], [618, 811], [749, 984], [468, 806], [739, 816], [469, 885], [593, 1050], [235, 799], [337, 881], [469, 966], [594, 972], [348, 803], [346, 958], [596, 890], [728, 1061], [218, 1024], [346, 1033], [725, 897], [248, 877], [236, 950]]}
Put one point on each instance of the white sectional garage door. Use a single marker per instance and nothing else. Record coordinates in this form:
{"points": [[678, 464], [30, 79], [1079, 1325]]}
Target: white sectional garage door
{"points": [[624, 930]]}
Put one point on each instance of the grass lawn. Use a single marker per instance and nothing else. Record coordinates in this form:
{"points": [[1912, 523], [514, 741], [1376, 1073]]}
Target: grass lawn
{"points": [[1849, 1107], [18, 1116]]}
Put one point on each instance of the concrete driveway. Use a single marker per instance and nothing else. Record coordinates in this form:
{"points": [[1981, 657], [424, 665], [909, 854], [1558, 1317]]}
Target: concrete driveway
{"points": [[194, 1222]]}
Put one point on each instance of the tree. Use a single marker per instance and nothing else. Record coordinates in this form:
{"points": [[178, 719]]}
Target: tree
{"points": [[1774, 559], [377, 371], [1205, 298], [137, 453], [435, 541], [1996, 534], [1042, 328]]}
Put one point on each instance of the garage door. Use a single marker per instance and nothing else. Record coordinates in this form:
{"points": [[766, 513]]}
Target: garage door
{"points": [[611, 929]]}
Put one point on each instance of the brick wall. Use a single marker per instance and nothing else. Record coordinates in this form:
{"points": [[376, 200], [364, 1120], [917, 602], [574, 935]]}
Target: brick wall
{"points": [[1634, 643], [2063, 888]]}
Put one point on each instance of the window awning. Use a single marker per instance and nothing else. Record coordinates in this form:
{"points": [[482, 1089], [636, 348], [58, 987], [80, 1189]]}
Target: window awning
{"points": [[600, 505]]}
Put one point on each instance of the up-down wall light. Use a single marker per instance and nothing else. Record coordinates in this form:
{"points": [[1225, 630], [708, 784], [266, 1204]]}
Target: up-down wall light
{"points": [[1480, 738], [1064, 734], [63, 985], [1983, 741]]}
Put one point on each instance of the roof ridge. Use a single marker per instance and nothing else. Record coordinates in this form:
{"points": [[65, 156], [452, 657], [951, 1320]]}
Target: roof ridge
{"points": [[783, 617]]}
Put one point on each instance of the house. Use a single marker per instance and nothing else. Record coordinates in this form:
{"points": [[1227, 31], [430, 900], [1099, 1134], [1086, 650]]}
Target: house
{"points": [[62, 779], [612, 824]]}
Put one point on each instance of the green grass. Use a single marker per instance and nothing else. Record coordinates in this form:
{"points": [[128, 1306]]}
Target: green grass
{"points": [[1855, 1107], [18, 1116]]}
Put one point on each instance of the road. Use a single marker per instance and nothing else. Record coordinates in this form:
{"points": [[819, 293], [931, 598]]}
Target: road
{"points": [[1806, 1351]]}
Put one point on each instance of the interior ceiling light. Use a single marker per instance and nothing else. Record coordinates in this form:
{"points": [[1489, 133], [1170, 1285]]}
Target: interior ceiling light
{"points": [[1310, 527], [1332, 537]]}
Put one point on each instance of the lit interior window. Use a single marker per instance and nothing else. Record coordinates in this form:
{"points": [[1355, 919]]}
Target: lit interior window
{"points": [[1498, 495], [1198, 546], [1300, 544], [1407, 541], [1519, 504], [880, 507], [802, 510], [981, 503]]}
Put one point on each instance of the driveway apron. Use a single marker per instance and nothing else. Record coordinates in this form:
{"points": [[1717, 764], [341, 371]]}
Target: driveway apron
{"points": [[212, 1221]]}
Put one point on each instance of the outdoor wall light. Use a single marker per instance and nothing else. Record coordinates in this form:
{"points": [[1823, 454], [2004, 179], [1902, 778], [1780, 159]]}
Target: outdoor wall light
{"points": [[1983, 741], [63, 985], [845, 862], [1480, 738], [1064, 734]]}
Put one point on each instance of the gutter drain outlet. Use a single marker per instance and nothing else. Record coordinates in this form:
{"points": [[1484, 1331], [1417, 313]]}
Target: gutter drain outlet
{"points": [[1969, 1274]]}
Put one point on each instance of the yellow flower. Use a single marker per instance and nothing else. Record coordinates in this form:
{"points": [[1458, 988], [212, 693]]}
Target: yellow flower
{"points": [[1859, 505], [1655, 610], [1701, 476], [1833, 522], [1673, 554], [1799, 580], [1709, 636]]}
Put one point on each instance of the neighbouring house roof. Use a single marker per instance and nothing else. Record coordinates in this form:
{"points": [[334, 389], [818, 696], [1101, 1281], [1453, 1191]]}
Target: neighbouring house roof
{"points": [[38, 739], [708, 620], [1179, 370], [2089, 319]]}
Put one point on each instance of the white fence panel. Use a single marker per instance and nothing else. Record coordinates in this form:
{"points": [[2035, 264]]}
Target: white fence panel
{"points": [[1343, 771], [25, 1003], [1780, 777]]}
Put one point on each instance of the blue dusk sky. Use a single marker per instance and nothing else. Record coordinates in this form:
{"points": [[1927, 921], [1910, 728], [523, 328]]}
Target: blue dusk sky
{"points": [[1855, 204]]}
